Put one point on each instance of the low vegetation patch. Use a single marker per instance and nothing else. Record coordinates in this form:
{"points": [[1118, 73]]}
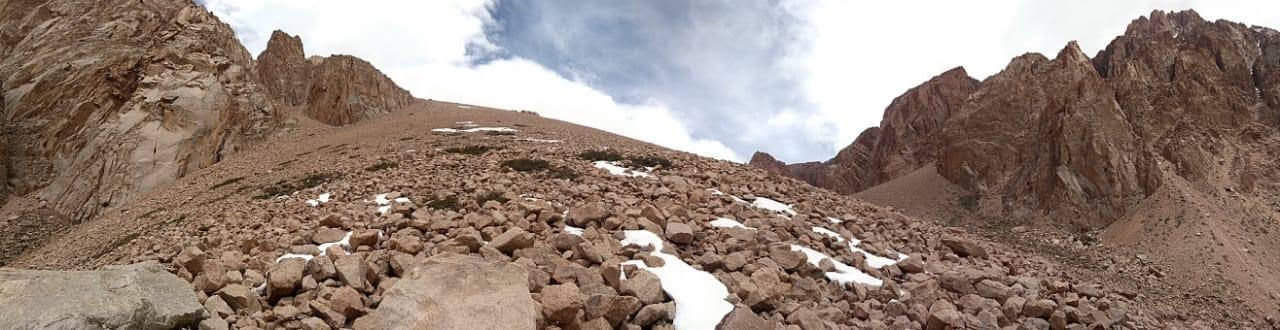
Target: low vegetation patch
{"points": [[499, 133], [226, 182], [447, 203], [561, 172], [470, 150], [285, 187], [526, 164], [600, 155], [648, 161], [970, 201], [382, 165]]}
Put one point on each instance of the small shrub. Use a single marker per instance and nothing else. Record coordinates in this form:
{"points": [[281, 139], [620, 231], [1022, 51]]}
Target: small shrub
{"points": [[526, 164], [561, 172], [469, 150], [447, 203], [491, 196], [226, 182], [381, 165], [648, 161], [600, 155], [970, 201], [286, 187]]}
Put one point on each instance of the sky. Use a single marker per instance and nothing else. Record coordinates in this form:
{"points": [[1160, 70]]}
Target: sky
{"points": [[721, 78]]}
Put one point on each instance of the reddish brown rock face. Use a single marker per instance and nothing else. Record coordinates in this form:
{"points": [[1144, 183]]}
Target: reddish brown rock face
{"points": [[336, 90], [105, 100], [1081, 138], [905, 140]]}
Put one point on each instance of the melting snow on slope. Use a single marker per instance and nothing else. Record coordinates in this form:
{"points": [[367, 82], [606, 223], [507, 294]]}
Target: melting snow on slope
{"points": [[773, 205], [324, 198], [539, 140], [385, 204], [345, 243], [873, 260], [728, 223], [699, 296], [834, 220], [573, 230], [615, 168], [475, 129], [843, 273], [829, 233], [716, 192]]}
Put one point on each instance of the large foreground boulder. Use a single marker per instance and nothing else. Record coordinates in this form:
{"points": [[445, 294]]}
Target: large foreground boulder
{"points": [[450, 291], [138, 296]]}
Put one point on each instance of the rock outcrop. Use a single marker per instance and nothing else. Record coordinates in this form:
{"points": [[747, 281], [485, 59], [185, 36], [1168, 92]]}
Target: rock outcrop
{"points": [[139, 296], [106, 100], [450, 291], [1085, 139], [336, 90], [906, 139]]}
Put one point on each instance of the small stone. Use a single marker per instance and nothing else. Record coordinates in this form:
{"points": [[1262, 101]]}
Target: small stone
{"points": [[586, 214], [1039, 308], [645, 286], [512, 239], [742, 318], [651, 314], [347, 302], [284, 278], [964, 248], [679, 233], [561, 303], [785, 257]]}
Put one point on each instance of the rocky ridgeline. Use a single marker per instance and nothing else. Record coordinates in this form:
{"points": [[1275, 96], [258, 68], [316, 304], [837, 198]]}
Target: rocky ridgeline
{"points": [[336, 90], [501, 230], [104, 101], [1083, 140]]}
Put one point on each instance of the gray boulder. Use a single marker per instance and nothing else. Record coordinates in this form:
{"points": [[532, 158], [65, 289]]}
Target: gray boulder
{"points": [[138, 296]]}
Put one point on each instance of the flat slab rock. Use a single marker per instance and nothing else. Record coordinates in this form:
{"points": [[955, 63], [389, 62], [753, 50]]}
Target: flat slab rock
{"points": [[451, 291], [138, 296]]}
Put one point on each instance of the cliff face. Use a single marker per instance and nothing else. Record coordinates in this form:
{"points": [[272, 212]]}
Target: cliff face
{"points": [[108, 99], [335, 90], [1175, 97], [904, 141]]}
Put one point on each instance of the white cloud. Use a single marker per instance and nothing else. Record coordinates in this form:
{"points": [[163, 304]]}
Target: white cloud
{"points": [[423, 46], [847, 59], [858, 55]]}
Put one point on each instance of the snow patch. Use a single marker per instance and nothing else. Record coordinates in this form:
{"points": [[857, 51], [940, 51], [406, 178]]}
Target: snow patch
{"points": [[829, 233], [834, 220], [464, 106], [716, 192], [575, 231], [324, 198], [475, 129], [728, 223], [772, 205], [843, 274], [616, 168], [345, 243], [699, 296], [873, 260], [538, 140]]}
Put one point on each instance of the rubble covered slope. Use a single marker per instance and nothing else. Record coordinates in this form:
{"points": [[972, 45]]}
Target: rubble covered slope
{"points": [[565, 227]]}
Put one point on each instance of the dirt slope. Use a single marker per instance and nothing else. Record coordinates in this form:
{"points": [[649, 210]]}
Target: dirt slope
{"points": [[241, 215]]}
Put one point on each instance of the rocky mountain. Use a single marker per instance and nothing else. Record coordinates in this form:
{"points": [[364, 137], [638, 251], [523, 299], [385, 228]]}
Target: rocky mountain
{"points": [[105, 101], [907, 138], [1082, 137], [1174, 123], [451, 217], [336, 90], [156, 166]]}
